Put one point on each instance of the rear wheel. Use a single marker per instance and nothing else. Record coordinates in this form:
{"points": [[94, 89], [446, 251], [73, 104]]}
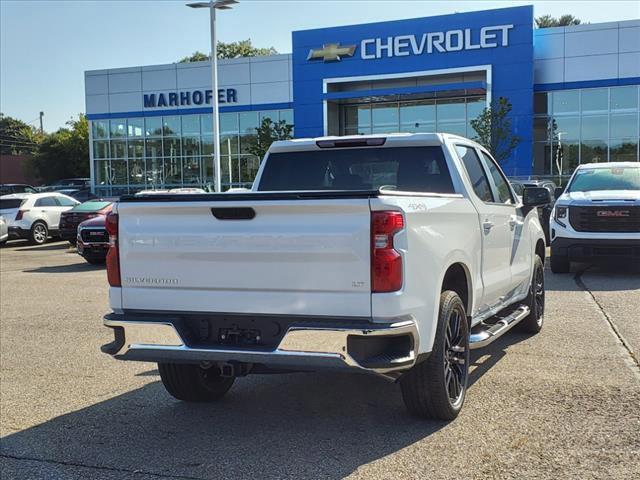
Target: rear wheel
{"points": [[436, 387], [560, 263], [535, 300], [193, 383], [39, 233]]}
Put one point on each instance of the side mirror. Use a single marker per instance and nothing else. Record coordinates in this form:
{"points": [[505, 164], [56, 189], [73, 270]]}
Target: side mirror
{"points": [[557, 192], [535, 197]]}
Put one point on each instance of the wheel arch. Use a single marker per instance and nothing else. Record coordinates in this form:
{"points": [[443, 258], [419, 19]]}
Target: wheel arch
{"points": [[458, 278], [40, 220], [541, 249]]}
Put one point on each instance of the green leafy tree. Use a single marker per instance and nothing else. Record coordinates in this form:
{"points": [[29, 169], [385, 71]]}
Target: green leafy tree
{"points": [[196, 56], [16, 137], [64, 153], [494, 130], [243, 48], [267, 133], [546, 21]]}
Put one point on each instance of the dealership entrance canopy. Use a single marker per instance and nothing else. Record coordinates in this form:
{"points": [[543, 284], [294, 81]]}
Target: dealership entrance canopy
{"points": [[574, 93]]}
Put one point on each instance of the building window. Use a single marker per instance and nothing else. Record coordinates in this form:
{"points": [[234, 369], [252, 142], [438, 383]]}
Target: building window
{"points": [[584, 126], [171, 151]]}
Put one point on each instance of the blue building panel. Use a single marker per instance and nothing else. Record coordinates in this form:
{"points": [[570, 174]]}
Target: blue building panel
{"points": [[501, 39]]}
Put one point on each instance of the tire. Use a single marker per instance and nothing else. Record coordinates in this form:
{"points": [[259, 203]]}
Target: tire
{"points": [[191, 383], [96, 260], [436, 388], [73, 242], [560, 263], [39, 233], [535, 300]]}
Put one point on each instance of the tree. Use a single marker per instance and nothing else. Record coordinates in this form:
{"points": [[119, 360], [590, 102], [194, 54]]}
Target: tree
{"points": [[494, 131], [267, 133], [196, 56], [64, 153], [243, 48], [546, 21], [16, 137]]}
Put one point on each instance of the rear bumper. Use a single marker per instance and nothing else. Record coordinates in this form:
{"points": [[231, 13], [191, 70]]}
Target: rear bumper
{"points": [[583, 249], [68, 234], [17, 232], [374, 347]]}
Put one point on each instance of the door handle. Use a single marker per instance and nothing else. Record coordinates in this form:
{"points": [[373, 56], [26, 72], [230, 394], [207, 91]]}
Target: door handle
{"points": [[487, 225]]}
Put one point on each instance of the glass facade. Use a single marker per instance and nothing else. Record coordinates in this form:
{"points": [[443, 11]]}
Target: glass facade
{"points": [[133, 154], [586, 125], [450, 115]]}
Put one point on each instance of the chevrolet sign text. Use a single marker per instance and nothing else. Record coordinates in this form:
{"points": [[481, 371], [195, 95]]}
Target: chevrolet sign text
{"points": [[449, 41]]}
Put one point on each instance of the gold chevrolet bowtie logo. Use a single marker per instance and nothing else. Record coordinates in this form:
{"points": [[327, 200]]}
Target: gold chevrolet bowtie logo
{"points": [[331, 52]]}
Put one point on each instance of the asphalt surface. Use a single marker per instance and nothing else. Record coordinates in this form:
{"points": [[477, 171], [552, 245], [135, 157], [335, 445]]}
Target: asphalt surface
{"points": [[562, 404]]}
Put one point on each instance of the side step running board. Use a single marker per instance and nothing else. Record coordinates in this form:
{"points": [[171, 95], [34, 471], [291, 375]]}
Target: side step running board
{"points": [[484, 334]]}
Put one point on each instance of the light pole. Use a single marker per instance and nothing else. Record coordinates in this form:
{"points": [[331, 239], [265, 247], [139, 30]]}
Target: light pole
{"points": [[213, 6]]}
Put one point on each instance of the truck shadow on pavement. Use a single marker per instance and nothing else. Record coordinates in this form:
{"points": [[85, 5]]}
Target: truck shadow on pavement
{"points": [[71, 268], [306, 425]]}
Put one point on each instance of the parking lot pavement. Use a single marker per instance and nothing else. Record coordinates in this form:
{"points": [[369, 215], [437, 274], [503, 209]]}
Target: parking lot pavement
{"points": [[562, 404]]}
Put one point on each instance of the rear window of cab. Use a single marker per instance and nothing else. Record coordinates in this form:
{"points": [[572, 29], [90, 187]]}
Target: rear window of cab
{"points": [[410, 169]]}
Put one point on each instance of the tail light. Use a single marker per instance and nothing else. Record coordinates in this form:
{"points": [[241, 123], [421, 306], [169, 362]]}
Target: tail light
{"points": [[386, 262], [113, 255], [20, 214]]}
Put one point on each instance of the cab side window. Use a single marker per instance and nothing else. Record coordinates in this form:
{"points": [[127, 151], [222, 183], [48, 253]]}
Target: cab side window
{"points": [[46, 202], [476, 173], [502, 187]]}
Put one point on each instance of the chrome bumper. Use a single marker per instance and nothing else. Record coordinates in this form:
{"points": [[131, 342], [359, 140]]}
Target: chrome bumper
{"points": [[300, 348]]}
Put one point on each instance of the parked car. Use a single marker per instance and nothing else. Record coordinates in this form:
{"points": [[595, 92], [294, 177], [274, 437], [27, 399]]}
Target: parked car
{"points": [[34, 216], [545, 210], [9, 188], [597, 217], [80, 194], [4, 231], [390, 254], [93, 240], [74, 182], [70, 219], [67, 183]]}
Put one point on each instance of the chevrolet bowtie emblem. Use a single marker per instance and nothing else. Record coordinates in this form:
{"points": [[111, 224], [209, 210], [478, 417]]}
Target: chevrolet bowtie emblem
{"points": [[331, 52]]}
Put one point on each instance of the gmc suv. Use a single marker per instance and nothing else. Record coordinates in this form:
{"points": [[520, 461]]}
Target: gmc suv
{"points": [[598, 216]]}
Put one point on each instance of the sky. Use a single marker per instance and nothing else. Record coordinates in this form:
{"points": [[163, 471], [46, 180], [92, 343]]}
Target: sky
{"points": [[45, 46]]}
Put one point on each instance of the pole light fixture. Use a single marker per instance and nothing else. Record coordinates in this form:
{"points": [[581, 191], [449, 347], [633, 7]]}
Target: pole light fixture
{"points": [[213, 6]]}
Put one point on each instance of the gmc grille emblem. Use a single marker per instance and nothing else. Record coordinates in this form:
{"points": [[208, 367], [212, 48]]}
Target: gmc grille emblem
{"points": [[612, 213]]}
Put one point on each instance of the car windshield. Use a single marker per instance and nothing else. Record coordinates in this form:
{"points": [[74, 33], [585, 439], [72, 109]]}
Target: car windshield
{"points": [[90, 206], [416, 169], [613, 178]]}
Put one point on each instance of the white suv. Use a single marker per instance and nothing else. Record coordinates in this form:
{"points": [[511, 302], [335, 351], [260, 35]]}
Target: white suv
{"points": [[598, 216], [34, 216]]}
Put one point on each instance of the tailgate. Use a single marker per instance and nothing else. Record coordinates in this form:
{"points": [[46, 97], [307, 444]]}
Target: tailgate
{"points": [[295, 257]]}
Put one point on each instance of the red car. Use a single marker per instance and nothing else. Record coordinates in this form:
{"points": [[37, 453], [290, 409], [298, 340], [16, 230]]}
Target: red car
{"points": [[70, 219], [93, 240]]}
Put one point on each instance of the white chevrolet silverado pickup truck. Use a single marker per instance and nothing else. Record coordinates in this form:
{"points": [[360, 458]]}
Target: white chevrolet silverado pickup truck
{"points": [[391, 254], [597, 217]]}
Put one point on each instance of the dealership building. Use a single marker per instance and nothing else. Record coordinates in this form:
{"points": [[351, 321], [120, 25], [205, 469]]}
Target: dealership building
{"points": [[574, 93]]}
